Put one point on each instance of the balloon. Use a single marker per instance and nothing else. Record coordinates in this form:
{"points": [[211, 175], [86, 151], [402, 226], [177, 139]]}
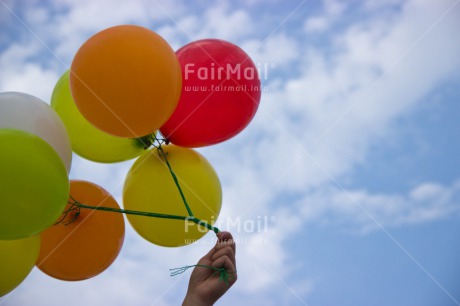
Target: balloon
{"points": [[126, 81], [88, 141], [150, 187], [28, 113], [220, 94], [34, 184], [84, 245], [17, 258]]}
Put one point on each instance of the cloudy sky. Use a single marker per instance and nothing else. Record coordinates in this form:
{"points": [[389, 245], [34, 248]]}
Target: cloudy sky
{"points": [[344, 189]]}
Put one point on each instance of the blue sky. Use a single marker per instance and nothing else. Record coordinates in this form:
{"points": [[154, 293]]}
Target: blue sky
{"points": [[352, 157]]}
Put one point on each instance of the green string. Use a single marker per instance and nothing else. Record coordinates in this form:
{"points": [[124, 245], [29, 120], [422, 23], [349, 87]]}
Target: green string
{"points": [[130, 212], [75, 207], [162, 154], [223, 274], [147, 141]]}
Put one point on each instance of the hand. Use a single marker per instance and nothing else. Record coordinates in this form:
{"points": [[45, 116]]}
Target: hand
{"points": [[205, 288]]}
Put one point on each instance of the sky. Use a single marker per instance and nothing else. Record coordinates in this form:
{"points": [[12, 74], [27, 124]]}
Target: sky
{"points": [[345, 187]]}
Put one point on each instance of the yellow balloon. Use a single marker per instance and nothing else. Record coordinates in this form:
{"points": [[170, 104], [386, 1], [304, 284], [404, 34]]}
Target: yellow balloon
{"points": [[150, 187], [17, 258], [88, 141]]}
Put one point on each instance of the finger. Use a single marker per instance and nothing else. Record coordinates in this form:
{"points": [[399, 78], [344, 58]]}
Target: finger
{"points": [[225, 238], [226, 251], [227, 244], [225, 262], [205, 260]]}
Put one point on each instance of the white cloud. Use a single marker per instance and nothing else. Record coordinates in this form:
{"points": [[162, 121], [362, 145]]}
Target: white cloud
{"points": [[276, 51], [320, 23], [427, 191], [361, 211], [21, 73], [375, 5], [312, 128], [212, 23], [94, 16], [341, 105]]}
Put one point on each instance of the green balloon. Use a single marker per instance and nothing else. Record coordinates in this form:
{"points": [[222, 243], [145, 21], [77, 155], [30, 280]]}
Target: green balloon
{"points": [[34, 186], [88, 141]]}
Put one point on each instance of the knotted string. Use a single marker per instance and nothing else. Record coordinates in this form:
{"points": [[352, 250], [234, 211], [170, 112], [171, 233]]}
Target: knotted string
{"points": [[223, 274]]}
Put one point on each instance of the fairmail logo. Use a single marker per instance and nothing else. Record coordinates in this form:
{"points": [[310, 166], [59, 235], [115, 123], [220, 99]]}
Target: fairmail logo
{"points": [[238, 225], [227, 72]]}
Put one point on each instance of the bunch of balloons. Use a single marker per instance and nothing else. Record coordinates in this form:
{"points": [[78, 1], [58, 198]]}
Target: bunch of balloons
{"points": [[127, 95]]}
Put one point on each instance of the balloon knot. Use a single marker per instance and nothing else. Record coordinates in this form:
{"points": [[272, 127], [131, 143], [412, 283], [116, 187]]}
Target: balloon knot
{"points": [[73, 210]]}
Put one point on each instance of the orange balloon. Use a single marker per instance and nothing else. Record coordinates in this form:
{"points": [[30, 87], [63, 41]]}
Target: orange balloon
{"points": [[126, 80], [84, 245]]}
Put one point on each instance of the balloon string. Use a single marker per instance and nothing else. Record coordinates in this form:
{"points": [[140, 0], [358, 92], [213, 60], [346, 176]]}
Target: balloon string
{"points": [[163, 154], [147, 141], [152, 139], [223, 274], [76, 205], [176, 181], [126, 211]]}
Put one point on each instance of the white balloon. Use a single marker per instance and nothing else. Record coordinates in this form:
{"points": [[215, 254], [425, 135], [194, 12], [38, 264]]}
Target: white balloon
{"points": [[28, 113]]}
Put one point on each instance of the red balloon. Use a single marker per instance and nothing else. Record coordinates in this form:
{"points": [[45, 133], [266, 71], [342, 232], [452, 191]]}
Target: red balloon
{"points": [[220, 94]]}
